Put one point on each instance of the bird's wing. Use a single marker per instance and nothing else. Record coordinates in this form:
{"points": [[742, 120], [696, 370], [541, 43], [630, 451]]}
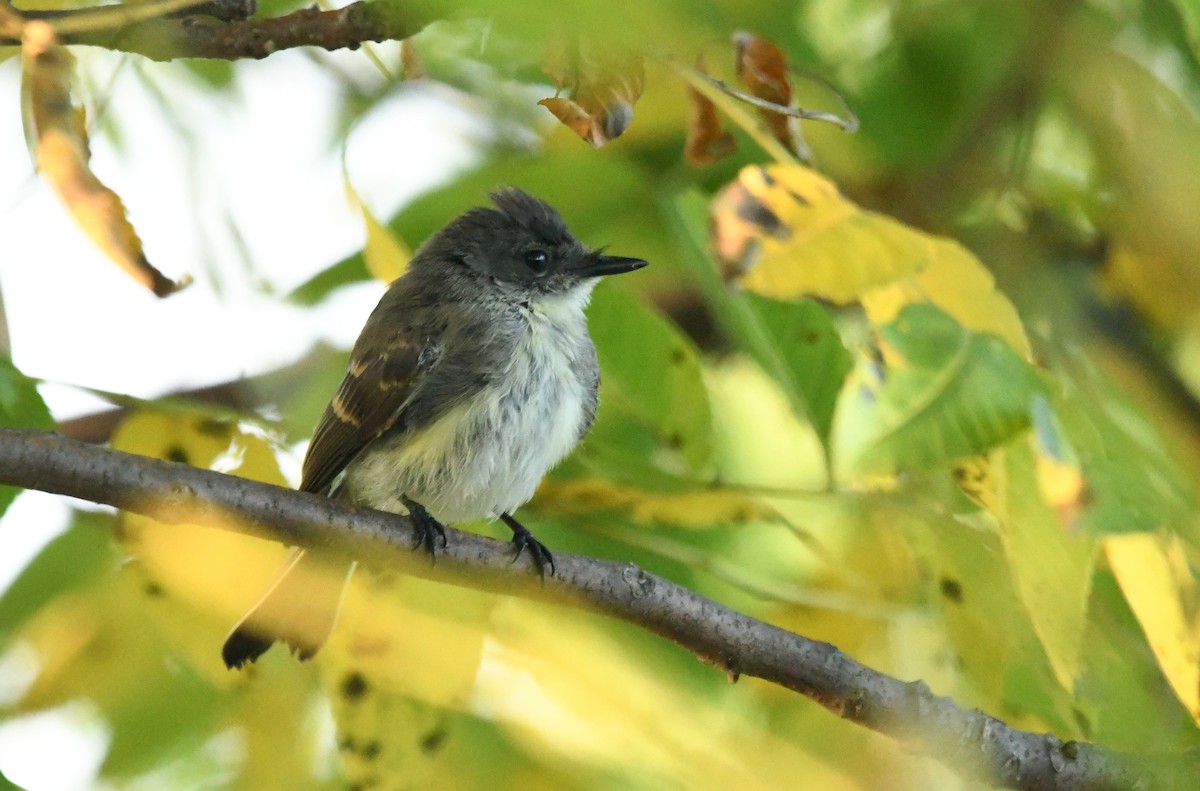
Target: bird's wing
{"points": [[369, 401]]}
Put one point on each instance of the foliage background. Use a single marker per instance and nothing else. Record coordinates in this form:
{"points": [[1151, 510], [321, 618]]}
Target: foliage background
{"points": [[1049, 580]]}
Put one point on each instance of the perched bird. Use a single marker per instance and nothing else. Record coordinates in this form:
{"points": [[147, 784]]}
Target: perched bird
{"points": [[473, 376]]}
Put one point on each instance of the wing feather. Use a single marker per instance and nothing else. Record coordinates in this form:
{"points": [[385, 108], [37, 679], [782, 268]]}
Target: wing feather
{"points": [[369, 402]]}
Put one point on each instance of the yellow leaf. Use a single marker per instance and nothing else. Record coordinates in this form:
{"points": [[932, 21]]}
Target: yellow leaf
{"points": [[570, 690], [198, 580], [785, 231], [1146, 575], [696, 508], [385, 255], [409, 636], [56, 135], [1064, 487], [954, 280], [405, 652], [976, 476], [385, 734], [1164, 288]]}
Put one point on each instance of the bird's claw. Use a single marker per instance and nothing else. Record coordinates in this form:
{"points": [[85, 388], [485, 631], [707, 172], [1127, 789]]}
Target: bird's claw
{"points": [[427, 528], [522, 539]]}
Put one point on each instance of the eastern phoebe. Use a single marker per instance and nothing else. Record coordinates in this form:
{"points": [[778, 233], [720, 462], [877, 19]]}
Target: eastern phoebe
{"points": [[473, 376]]}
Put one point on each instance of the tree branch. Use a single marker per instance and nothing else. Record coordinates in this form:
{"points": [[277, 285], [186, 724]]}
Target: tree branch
{"points": [[167, 38], [974, 744]]}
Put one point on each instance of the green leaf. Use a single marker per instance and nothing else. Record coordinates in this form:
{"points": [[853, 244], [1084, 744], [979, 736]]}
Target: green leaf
{"points": [[993, 635], [352, 269], [947, 393], [21, 406], [809, 358], [1133, 484], [95, 642], [8, 785], [215, 73], [1121, 690], [651, 373], [1052, 570], [64, 564], [143, 736], [797, 344], [1189, 12]]}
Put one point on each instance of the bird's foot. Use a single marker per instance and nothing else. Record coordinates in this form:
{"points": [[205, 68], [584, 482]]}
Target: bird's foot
{"points": [[523, 540], [427, 528]]}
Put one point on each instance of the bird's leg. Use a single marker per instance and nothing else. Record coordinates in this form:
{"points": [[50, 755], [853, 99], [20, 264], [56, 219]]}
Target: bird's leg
{"points": [[523, 540], [427, 528]]}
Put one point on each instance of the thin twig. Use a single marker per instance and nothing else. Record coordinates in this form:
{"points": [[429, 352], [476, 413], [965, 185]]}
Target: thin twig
{"points": [[973, 743], [845, 124]]}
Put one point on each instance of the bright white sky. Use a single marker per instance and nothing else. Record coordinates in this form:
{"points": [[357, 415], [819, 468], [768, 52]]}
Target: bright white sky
{"points": [[262, 160]]}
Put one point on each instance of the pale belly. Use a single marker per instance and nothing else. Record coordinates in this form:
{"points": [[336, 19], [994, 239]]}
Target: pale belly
{"points": [[487, 455]]}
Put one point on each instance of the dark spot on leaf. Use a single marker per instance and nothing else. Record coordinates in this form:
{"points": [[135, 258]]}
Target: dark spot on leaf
{"points": [[952, 590], [812, 336], [433, 740], [346, 745], [767, 178], [678, 356], [754, 212], [371, 750], [176, 453], [213, 427], [675, 442], [354, 686], [152, 588], [796, 196]]}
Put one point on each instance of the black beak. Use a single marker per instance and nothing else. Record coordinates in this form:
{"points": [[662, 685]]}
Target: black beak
{"points": [[597, 265]]}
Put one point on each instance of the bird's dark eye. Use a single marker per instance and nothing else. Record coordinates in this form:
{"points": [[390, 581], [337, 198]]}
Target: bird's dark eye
{"points": [[537, 260]]}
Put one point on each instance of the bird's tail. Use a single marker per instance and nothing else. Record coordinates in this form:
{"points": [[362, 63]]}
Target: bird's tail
{"points": [[298, 608]]}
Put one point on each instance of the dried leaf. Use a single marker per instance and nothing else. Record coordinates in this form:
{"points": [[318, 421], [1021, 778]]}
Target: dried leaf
{"points": [[414, 69], [56, 135], [763, 69], [706, 140], [604, 90]]}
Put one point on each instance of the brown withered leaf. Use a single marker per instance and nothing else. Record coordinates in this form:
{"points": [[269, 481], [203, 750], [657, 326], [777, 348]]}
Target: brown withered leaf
{"points": [[55, 131], [599, 107], [706, 139], [763, 69]]}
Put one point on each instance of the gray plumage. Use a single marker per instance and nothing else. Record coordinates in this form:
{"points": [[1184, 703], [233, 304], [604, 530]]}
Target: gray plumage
{"points": [[473, 376]]}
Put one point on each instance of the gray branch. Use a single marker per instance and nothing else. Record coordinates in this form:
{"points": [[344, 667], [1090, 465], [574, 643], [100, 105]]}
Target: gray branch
{"points": [[220, 32], [974, 744]]}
